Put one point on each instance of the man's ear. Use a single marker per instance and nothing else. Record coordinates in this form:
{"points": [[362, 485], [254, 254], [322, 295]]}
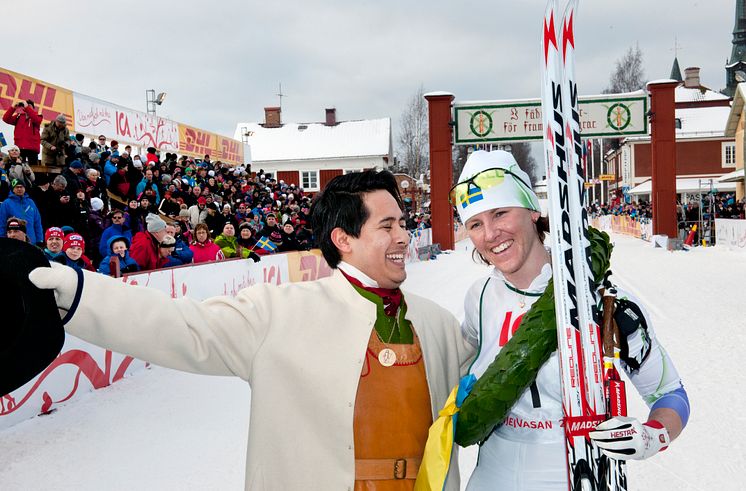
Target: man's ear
{"points": [[341, 241]]}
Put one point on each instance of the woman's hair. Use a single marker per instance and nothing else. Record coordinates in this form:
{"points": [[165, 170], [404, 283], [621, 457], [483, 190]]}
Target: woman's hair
{"points": [[202, 226], [542, 229]]}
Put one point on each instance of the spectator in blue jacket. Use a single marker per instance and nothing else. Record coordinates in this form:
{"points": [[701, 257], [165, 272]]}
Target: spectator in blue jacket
{"points": [[118, 246], [181, 251], [148, 179], [19, 205], [118, 227]]}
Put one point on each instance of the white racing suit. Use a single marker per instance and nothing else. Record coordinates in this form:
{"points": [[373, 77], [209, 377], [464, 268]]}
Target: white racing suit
{"points": [[527, 452]]}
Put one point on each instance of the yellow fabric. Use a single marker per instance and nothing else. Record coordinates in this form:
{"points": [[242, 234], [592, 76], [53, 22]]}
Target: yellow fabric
{"points": [[438, 449]]}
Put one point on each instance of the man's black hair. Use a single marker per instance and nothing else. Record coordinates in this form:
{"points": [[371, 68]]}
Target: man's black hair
{"points": [[341, 205]]}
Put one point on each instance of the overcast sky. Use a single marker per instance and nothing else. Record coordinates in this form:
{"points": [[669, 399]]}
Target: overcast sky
{"points": [[221, 61]]}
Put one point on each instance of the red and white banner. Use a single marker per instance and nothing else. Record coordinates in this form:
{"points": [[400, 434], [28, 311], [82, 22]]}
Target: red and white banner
{"points": [[82, 367], [96, 117]]}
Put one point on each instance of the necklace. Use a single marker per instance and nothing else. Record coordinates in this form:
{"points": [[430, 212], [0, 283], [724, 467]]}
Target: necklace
{"points": [[523, 294], [387, 356]]}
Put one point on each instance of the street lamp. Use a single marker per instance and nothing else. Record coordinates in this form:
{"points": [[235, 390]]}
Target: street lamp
{"points": [[151, 100]]}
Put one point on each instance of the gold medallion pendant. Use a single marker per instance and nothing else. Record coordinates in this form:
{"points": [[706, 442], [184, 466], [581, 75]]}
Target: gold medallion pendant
{"points": [[387, 357]]}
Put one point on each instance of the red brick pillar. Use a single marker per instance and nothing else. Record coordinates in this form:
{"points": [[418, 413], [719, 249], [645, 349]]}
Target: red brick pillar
{"points": [[441, 167], [663, 148]]}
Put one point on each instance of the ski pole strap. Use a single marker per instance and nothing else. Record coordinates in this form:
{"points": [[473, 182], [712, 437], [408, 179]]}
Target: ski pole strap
{"points": [[440, 440]]}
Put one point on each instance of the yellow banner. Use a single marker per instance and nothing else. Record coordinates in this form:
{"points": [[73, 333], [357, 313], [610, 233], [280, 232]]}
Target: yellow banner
{"points": [[307, 266], [198, 143], [50, 100]]}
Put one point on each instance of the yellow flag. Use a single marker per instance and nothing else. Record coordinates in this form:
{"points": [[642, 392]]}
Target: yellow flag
{"points": [[438, 449]]}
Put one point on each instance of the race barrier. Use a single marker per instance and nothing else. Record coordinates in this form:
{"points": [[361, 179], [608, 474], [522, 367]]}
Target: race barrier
{"points": [[82, 367], [622, 224], [730, 234], [93, 117]]}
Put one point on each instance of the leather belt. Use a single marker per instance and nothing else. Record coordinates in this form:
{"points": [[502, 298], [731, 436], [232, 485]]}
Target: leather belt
{"points": [[380, 469]]}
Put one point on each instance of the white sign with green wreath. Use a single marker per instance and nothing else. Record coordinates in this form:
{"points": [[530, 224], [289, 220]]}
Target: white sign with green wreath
{"points": [[601, 116]]}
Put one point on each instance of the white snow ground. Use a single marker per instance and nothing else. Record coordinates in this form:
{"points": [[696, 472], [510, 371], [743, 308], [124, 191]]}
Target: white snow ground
{"points": [[166, 430]]}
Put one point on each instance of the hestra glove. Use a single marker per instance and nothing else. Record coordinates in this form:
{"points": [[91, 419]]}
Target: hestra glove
{"points": [[625, 438]]}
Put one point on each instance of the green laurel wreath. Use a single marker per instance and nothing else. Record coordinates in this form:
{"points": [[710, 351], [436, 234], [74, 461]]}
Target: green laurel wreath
{"points": [[516, 366]]}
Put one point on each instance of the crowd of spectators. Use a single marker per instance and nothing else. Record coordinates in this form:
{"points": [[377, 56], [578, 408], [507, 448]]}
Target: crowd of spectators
{"points": [[164, 210], [720, 205]]}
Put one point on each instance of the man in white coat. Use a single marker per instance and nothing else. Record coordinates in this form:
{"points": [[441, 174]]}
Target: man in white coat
{"points": [[341, 399]]}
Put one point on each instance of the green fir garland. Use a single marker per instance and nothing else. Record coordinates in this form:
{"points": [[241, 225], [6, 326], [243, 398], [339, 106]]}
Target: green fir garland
{"points": [[516, 366]]}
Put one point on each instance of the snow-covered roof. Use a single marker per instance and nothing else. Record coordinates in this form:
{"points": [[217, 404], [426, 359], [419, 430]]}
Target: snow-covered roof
{"points": [[697, 122], [702, 121], [697, 94], [303, 141], [735, 176]]}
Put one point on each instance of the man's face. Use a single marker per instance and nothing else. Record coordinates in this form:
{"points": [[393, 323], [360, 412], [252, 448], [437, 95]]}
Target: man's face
{"points": [[149, 175], [59, 124], [117, 218], [102, 140], [171, 230], [380, 249], [57, 186], [16, 234], [144, 203], [19, 190], [54, 244]]}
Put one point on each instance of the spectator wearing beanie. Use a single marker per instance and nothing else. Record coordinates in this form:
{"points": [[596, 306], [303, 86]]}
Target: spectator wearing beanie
{"points": [[19, 205], [54, 239], [204, 249], [272, 231], [198, 212], [18, 169], [118, 227], [73, 246], [118, 253], [96, 227], [16, 229], [145, 245], [289, 239], [165, 251], [74, 176], [247, 242], [181, 251]]}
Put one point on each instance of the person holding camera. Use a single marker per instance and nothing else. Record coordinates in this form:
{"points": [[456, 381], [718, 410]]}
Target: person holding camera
{"points": [[16, 168], [54, 138], [27, 123]]}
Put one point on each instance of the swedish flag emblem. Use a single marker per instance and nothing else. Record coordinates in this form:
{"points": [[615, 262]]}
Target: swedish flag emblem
{"points": [[473, 195], [266, 244]]}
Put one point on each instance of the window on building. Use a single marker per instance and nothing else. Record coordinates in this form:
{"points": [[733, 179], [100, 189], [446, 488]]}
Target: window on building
{"points": [[350, 171], [310, 180], [270, 175], [729, 154]]}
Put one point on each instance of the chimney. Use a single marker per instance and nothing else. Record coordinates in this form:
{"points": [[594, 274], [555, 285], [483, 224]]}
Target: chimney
{"points": [[691, 77], [272, 117], [331, 116]]}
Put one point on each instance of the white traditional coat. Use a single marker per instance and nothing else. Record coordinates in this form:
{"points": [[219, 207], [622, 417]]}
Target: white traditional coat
{"points": [[301, 348]]}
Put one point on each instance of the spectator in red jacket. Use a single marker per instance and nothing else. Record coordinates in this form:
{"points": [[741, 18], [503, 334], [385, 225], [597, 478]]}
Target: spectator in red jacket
{"points": [[145, 245], [26, 134]]}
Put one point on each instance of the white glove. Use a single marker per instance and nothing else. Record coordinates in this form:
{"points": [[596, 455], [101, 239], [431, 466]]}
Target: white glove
{"points": [[62, 279], [625, 438]]}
